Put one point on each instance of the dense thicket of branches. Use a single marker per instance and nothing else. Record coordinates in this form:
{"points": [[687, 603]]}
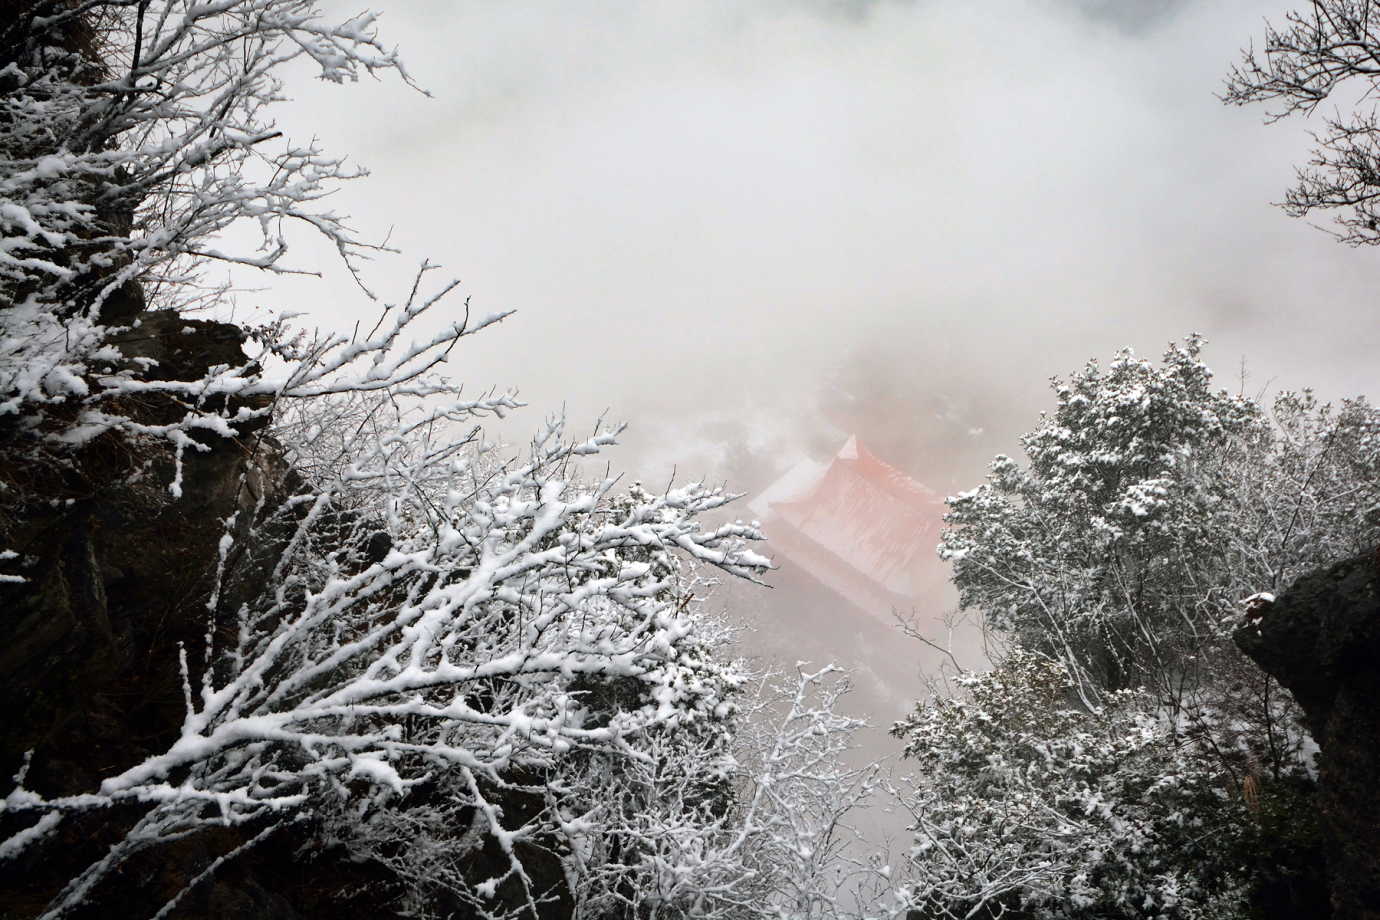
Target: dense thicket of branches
{"points": [[1030, 806]]}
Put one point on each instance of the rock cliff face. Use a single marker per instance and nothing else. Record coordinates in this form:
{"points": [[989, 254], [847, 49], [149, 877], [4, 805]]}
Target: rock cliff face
{"points": [[1321, 640], [116, 574], [114, 570]]}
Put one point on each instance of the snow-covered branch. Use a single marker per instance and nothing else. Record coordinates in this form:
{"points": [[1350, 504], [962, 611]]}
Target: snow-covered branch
{"points": [[427, 610], [132, 136]]}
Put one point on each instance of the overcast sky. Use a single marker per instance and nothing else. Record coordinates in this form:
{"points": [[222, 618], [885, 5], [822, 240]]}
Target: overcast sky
{"points": [[700, 210]]}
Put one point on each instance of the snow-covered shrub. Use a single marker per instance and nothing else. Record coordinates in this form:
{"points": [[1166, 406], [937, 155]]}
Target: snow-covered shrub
{"points": [[1027, 805], [797, 795], [744, 819]]}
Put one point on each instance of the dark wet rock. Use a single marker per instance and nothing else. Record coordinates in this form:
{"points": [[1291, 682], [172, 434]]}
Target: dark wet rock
{"points": [[1321, 640], [116, 574], [184, 349]]}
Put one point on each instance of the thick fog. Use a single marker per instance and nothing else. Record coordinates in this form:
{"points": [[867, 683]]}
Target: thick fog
{"points": [[750, 229]]}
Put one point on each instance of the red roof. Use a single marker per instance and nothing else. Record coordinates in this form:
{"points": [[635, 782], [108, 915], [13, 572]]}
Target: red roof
{"points": [[858, 525]]}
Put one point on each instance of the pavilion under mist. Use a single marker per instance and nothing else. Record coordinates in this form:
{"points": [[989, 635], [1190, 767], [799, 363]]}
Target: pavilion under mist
{"points": [[857, 525]]}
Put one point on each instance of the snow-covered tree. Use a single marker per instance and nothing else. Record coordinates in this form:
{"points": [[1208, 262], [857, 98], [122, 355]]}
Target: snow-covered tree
{"points": [[424, 616], [748, 822], [1150, 506], [1028, 805], [1112, 568]]}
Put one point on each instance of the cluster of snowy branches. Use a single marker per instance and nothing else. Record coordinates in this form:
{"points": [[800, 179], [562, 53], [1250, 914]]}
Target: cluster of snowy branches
{"points": [[468, 670], [132, 135], [739, 816], [473, 669]]}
